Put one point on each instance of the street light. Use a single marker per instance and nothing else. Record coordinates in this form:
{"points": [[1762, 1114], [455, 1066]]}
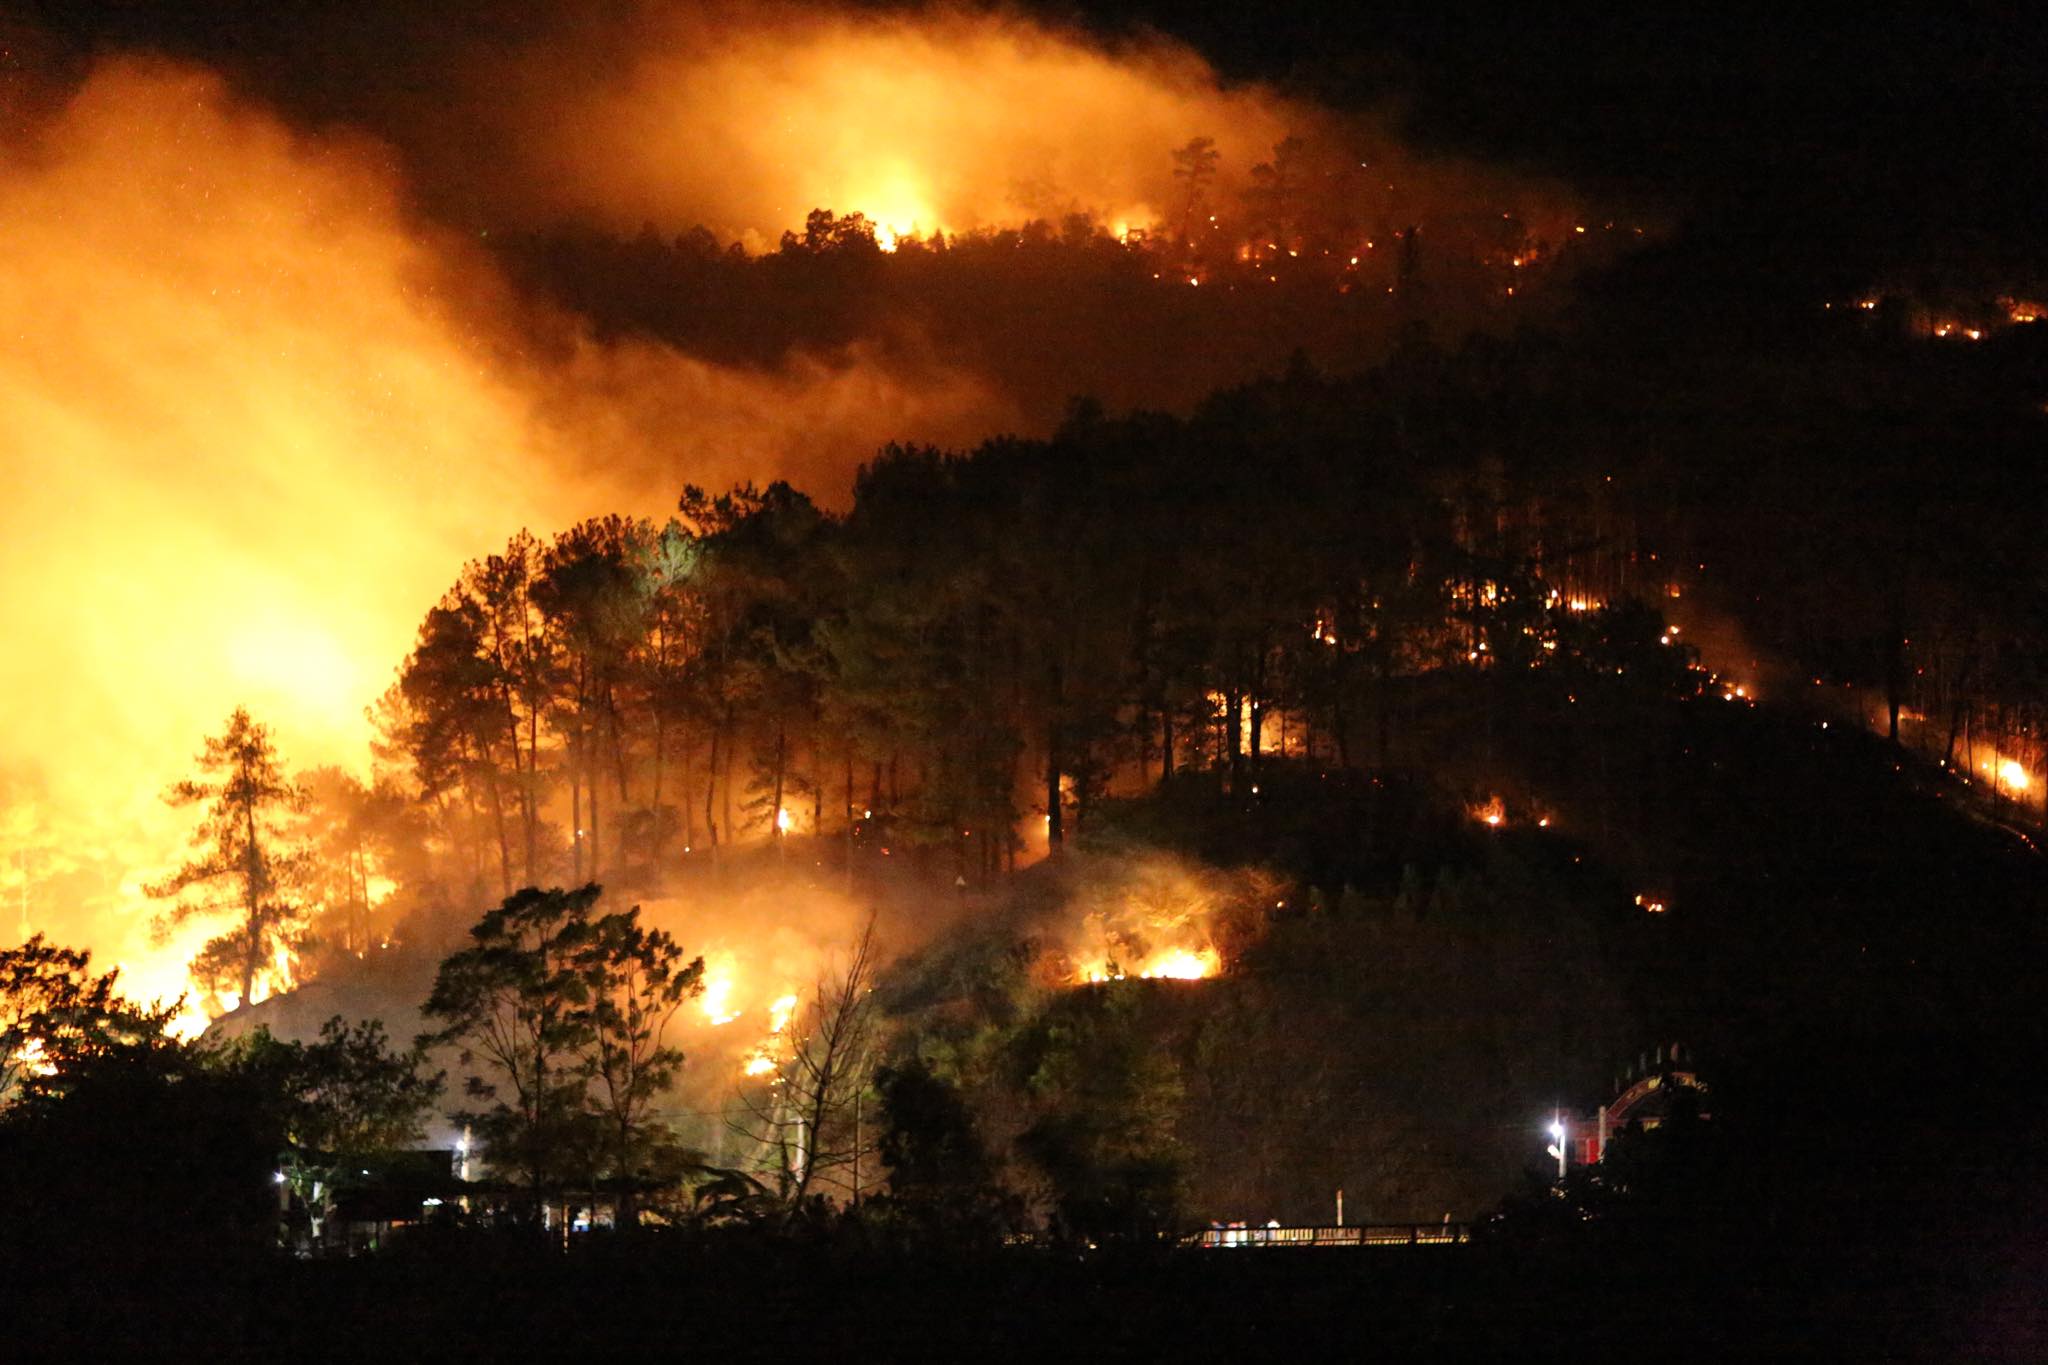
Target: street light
{"points": [[1557, 1147]]}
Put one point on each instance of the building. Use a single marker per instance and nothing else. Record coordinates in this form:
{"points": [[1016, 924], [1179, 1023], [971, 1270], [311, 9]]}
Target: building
{"points": [[1645, 1096]]}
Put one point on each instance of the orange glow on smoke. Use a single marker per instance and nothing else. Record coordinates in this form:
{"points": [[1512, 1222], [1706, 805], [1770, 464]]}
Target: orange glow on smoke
{"points": [[716, 1002], [243, 451], [2006, 774], [257, 418], [258, 412], [769, 1054], [943, 121], [1154, 918]]}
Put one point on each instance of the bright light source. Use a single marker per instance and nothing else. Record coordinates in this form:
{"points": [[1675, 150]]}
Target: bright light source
{"points": [[1557, 1132]]}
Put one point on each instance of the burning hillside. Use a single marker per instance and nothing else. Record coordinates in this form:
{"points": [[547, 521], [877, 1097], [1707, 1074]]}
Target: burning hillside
{"points": [[251, 431], [1157, 918], [267, 405]]}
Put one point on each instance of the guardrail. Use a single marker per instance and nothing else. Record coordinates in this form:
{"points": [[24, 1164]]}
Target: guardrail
{"points": [[1368, 1235]]}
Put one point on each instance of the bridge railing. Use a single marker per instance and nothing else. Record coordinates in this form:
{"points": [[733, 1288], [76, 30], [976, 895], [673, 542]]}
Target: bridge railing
{"points": [[1370, 1235]]}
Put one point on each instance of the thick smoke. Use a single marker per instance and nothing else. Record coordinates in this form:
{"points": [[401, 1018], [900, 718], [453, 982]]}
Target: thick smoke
{"points": [[257, 419], [267, 386], [746, 120], [770, 942]]}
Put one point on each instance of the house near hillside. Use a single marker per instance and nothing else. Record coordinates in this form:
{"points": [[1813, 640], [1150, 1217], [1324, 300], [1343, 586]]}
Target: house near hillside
{"points": [[1646, 1096]]}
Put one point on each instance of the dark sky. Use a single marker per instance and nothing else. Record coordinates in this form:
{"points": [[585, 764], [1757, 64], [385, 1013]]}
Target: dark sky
{"points": [[1907, 135]]}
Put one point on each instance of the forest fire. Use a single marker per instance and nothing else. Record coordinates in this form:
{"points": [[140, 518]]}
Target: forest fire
{"points": [[768, 1054], [723, 1003], [1165, 964], [2006, 775], [716, 1002], [669, 651], [767, 944], [1155, 918], [193, 329], [248, 332], [924, 135]]}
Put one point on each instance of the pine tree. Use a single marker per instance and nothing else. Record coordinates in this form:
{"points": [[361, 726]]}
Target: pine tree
{"points": [[244, 863]]}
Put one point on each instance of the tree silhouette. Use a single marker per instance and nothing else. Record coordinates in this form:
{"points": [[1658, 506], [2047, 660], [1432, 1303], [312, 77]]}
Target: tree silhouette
{"points": [[55, 1013], [346, 1100], [517, 1002], [633, 982], [810, 1116], [1194, 166], [244, 862]]}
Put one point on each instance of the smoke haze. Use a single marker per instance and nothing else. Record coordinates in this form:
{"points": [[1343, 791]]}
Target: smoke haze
{"points": [[252, 435], [268, 384]]}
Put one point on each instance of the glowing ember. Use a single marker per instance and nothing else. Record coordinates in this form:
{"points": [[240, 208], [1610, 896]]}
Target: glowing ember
{"points": [[1494, 813], [1651, 904]]}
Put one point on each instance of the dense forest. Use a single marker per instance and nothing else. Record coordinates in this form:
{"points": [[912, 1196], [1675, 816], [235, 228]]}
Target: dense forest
{"points": [[1403, 642], [1326, 569], [1367, 695], [1374, 683], [1469, 776]]}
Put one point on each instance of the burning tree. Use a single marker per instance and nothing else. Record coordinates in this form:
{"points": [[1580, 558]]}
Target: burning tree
{"points": [[245, 863], [1195, 167], [811, 1116], [593, 599], [369, 847], [53, 1011]]}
